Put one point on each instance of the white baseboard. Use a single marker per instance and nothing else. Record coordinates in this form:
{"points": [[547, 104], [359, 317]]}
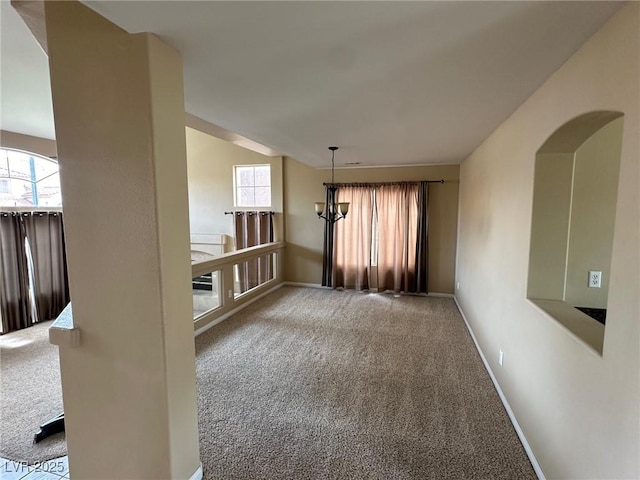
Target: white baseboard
{"points": [[308, 285], [443, 295], [221, 318], [372, 290], [197, 475], [512, 416]]}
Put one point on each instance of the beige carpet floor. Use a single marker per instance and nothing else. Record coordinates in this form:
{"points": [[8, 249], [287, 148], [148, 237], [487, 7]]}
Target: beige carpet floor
{"points": [[30, 394], [320, 384], [312, 384]]}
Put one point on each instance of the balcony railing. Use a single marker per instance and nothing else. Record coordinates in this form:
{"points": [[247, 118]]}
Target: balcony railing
{"points": [[223, 284]]}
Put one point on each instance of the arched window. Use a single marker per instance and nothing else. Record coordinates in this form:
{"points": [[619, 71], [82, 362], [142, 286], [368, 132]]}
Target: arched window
{"points": [[28, 180]]}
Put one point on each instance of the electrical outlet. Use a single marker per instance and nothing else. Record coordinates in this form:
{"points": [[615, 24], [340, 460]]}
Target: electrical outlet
{"points": [[595, 279], [501, 358], [230, 293], [458, 286]]}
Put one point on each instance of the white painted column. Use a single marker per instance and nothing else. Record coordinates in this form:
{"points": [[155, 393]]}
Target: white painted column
{"points": [[129, 387]]}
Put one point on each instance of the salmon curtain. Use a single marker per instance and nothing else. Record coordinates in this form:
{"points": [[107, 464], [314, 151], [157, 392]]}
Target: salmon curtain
{"points": [[386, 232], [397, 211], [352, 249]]}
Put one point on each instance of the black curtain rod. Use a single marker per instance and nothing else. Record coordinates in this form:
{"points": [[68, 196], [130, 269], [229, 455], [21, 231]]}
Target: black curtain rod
{"points": [[248, 212], [378, 184], [26, 214]]}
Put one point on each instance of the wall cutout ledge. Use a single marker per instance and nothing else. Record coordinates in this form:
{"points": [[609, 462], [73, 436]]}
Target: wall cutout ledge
{"points": [[63, 332], [584, 328]]}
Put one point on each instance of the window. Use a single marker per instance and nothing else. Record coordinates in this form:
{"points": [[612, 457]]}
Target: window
{"points": [[28, 180], [252, 185]]}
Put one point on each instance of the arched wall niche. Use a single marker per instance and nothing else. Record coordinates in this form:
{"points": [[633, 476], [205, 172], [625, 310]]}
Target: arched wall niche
{"points": [[574, 205]]}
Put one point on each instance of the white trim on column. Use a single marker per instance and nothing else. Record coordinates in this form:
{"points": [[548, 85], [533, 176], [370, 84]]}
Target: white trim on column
{"points": [[373, 290], [236, 310], [197, 475], [512, 416], [308, 285]]}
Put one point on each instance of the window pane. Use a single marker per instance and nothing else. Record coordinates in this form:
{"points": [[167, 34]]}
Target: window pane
{"points": [[4, 165], [263, 176], [22, 168], [20, 194], [244, 177], [19, 165], [246, 197], [49, 191], [44, 168], [263, 196]]}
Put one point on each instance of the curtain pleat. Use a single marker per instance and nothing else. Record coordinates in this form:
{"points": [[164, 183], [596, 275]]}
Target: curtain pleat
{"points": [[46, 239], [15, 308], [352, 250], [251, 229], [422, 240], [397, 207], [265, 229], [253, 236], [327, 248], [240, 227], [33, 268]]}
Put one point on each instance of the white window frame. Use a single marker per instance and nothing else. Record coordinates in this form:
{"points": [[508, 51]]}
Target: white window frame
{"points": [[236, 186], [33, 181]]}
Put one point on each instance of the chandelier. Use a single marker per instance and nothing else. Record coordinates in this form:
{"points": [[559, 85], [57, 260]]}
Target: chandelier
{"points": [[333, 211]]}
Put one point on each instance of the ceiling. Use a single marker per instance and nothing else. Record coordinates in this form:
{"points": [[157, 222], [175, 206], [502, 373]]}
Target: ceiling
{"points": [[391, 83]]}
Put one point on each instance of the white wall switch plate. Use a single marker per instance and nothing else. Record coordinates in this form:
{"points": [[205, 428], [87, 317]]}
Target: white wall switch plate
{"points": [[595, 279], [501, 358]]}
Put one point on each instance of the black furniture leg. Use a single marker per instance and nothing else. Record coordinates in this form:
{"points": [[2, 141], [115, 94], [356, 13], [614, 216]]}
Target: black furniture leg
{"points": [[50, 427]]}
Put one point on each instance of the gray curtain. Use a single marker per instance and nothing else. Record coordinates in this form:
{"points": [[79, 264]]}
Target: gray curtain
{"points": [[422, 241], [251, 229], [15, 308], [33, 272], [46, 240], [327, 249]]}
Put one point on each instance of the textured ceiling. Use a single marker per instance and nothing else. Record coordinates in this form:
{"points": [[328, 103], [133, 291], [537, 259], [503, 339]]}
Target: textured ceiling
{"points": [[391, 83]]}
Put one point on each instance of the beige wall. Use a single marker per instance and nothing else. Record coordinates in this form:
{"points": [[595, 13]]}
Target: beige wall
{"points": [[593, 211], [210, 164], [304, 232], [550, 225], [578, 410]]}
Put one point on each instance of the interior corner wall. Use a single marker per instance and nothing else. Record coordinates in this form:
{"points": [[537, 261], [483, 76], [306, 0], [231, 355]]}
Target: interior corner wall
{"points": [[578, 411], [210, 164], [28, 143], [304, 232], [593, 211], [550, 225]]}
